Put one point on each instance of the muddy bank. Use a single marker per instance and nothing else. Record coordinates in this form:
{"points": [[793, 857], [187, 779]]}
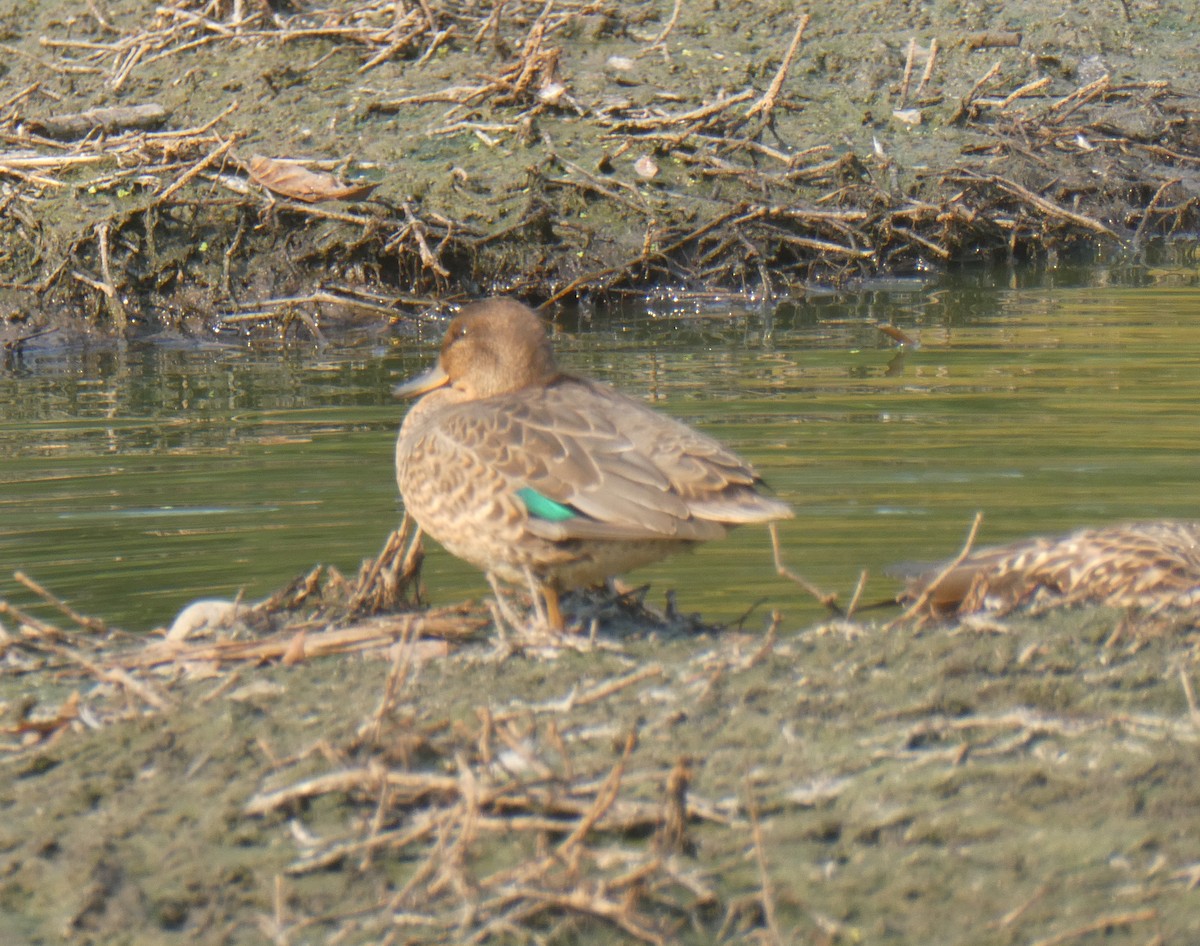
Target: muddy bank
{"points": [[331, 765], [566, 151], [1023, 781]]}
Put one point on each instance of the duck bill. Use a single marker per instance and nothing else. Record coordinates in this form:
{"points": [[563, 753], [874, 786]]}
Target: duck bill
{"points": [[434, 378]]}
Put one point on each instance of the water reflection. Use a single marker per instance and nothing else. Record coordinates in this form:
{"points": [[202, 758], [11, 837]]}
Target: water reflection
{"points": [[136, 480]]}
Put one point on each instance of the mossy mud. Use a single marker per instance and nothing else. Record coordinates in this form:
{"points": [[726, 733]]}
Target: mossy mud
{"points": [[1023, 782], [576, 149]]}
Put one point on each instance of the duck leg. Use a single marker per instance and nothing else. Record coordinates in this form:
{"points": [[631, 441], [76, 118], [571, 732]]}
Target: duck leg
{"points": [[504, 608], [554, 618], [546, 610]]}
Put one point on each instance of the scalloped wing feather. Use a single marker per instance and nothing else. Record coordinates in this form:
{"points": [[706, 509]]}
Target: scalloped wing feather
{"points": [[1145, 564], [631, 472]]}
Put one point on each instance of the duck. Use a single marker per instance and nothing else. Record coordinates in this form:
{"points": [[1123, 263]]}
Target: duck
{"points": [[551, 481], [1151, 565]]}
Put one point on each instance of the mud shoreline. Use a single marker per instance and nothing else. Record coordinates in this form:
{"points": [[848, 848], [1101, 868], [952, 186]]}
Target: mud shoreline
{"points": [[1003, 781], [577, 150]]}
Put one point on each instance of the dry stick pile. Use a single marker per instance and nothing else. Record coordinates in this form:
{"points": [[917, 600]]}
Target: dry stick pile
{"points": [[319, 614], [532, 818], [768, 219], [593, 829], [582, 837], [600, 841]]}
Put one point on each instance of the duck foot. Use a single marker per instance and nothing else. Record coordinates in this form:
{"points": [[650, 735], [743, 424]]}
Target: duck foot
{"points": [[543, 619], [508, 621]]}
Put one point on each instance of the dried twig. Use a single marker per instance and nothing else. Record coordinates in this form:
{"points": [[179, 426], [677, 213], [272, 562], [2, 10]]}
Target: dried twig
{"points": [[827, 599], [766, 105], [206, 162], [659, 41], [927, 74], [930, 589], [95, 625]]}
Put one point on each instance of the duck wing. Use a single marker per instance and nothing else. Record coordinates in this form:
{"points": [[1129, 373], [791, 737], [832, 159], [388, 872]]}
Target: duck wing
{"points": [[586, 462]]}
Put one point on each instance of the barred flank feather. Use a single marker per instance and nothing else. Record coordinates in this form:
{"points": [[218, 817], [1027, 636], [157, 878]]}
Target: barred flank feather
{"points": [[1149, 565]]}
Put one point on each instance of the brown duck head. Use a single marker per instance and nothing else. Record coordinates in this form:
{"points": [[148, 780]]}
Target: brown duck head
{"points": [[492, 347]]}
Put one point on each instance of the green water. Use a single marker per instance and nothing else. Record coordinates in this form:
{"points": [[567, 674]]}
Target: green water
{"points": [[134, 481]]}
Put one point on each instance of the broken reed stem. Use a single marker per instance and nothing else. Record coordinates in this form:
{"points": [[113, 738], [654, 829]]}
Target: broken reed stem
{"points": [[930, 589], [700, 114], [435, 44], [1027, 89], [770, 639], [982, 81], [766, 888], [660, 39], [199, 129], [116, 675], [909, 61], [95, 625], [452, 862], [672, 837], [858, 590], [964, 107], [35, 626], [1099, 925], [827, 599], [604, 799], [766, 104], [393, 687], [928, 73], [192, 172], [383, 580], [1084, 94], [609, 687], [574, 700], [1051, 209], [1189, 695], [530, 59], [18, 96], [1139, 233]]}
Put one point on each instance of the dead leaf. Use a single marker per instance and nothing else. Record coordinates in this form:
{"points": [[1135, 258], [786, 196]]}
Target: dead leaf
{"points": [[296, 181]]}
